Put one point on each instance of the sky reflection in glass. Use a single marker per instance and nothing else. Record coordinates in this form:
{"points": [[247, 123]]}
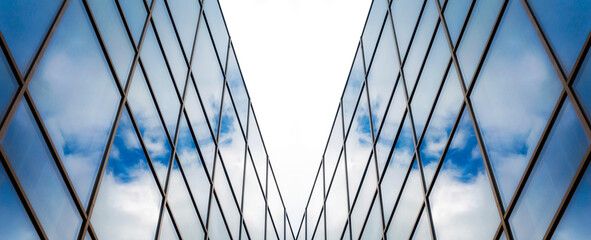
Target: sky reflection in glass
{"points": [[582, 84], [135, 15], [373, 25], [18, 226], [574, 223], [8, 84], [181, 205]]}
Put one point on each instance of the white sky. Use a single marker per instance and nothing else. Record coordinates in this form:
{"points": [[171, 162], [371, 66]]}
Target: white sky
{"points": [[295, 56]]}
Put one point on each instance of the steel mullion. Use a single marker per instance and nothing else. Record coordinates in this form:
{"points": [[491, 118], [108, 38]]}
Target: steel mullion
{"points": [[277, 186], [423, 61], [273, 223], [193, 202], [244, 171], [374, 199], [323, 211], [175, 29], [171, 216], [400, 192], [127, 29], [346, 167], [580, 60]]}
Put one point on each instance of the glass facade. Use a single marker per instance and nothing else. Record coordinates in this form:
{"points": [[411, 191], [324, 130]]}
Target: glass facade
{"points": [[461, 119], [129, 119]]}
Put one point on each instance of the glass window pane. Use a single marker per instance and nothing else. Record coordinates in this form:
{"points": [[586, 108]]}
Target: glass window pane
{"points": [[208, 75], [128, 203], [418, 48], [408, 207], [39, 177], [232, 145], [440, 125], [475, 36], [146, 118], [174, 54], [217, 26], [18, 225], [382, 75], [114, 35], [362, 203], [319, 234], [217, 227], [227, 198], [8, 84], [200, 127], [391, 126], [276, 206], [374, 228], [396, 169], [237, 88], [256, 146], [358, 145], [462, 201], [167, 230], [405, 14], [254, 204], [160, 81], [77, 98], [193, 168], [353, 88], [135, 15], [181, 205], [582, 84], [315, 204], [24, 25], [336, 203], [565, 147], [334, 148], [430, 81], [455, 14], [514, 97], [574, 222], [566, 24], [373, 25], [185, 14], [422, 232]]}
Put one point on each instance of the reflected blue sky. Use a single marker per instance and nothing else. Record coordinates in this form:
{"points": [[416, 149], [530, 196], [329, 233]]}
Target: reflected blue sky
{"points": [[554, 170], [217, 27], [358, 144], [391, 124], [7, 84], [408, 206], [405, 14], [135, 15], [18, 226], [574, 222], [77, 104], [455, 14], [353, 87], [200, 127], [373, 25], [24, 26], [181, 206], [514, 97], [39, 177], [185, 14], [237, 88], [582, 84]]}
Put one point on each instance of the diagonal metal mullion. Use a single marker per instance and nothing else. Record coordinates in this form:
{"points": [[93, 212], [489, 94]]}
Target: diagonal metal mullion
{"points": [[244, 173]]}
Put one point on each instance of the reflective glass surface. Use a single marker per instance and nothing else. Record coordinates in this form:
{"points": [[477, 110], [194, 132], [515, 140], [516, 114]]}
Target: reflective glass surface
{"points": [[76, 97], [160, 80], [420, 44], [8, 84], [566, 25], [314, 207], [334, 148], [582, 84], [208, 75], [361, 205], [565, 148], [167, 230], [237, 88], [182, 207], [200, 127], [39, 177], [217, 227], [440, 125], [150, 126], [25, 26], [462, 201], [573, 224], [215, 21], [475, 36], [336, 203], [171, 46], [128, 202], [382, 75], [422, 231], [113, 33], [405, 14], [430, 81], [232, 145], [227, 199], [135, 15], [256, 147], [513, 97], [18, 226], [254, 204], [373, 25], [276, 207], [353, 88], [185, 14], [408, 206], [373, 227], [455, 13], [390, 127]]}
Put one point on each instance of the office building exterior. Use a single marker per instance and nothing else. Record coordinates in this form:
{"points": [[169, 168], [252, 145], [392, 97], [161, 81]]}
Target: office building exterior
{"points": [[129, 119], [461, 119]]}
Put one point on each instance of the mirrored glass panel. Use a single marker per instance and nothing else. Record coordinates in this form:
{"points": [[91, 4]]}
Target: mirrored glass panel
{"points": [[217, 26], [554, 170], [135, 15], [185, 14], [120, 48], [160, 81], [276, 205], [208, 75], [382, 75], [420, 45], [256, 147], [566, 25], [18, 225], [149, 124], [167, 230], [217, 222], [362, 203], [353, 88], [315, 204], [227, 198], [582, 84], [39, 177], [232, 145], [514, 97], [336, 203], [422, 231], [481, 22], [237, 88], [76, 97], [390, 126], [254, 204], [462, 201], [573, 224], [373, 227], [24, 25], [200, 127], [430, 81], [408, 206], [334, 148], [181, 205], [405, 14], [171, 45], [128, 202], [444, 116], [455, 13], [373, 25], [8, 84]]}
